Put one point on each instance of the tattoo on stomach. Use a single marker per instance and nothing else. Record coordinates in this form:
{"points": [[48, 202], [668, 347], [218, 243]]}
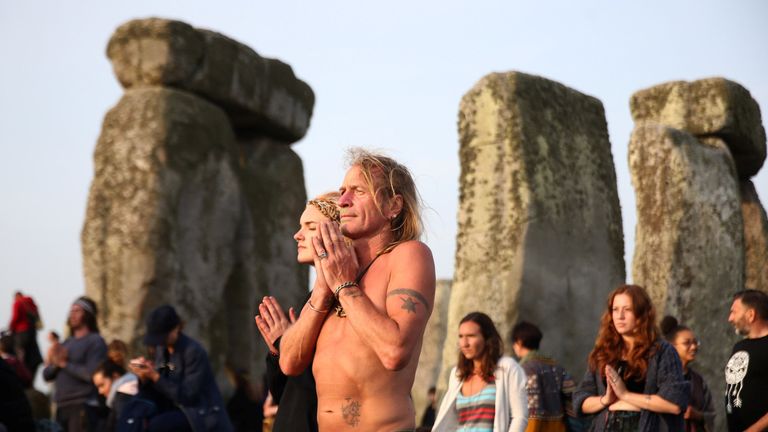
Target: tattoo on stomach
{"points": [[350, 411]]}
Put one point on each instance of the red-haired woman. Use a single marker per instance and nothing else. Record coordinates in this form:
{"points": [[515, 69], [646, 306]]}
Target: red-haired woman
{"points": [[486, 392], [634, 381]]}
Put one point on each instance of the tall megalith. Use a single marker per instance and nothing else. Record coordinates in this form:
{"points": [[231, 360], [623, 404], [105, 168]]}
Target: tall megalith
{"points": [[539, 232], [701, 231], [196, 191], [688, 239], [719, 109], [755, 238]]}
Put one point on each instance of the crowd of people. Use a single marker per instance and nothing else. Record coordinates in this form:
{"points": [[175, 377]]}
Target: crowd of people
{"points": [[347, 359]]}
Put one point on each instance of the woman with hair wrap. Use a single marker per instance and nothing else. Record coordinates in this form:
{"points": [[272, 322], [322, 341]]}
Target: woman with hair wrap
{"points": [[486, 391], [296, 395], [634, 380], [700, 415]]}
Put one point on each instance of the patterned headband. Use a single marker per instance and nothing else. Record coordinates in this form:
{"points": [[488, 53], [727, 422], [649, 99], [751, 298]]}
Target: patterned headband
{"points": [[86, 306], [328, 208]]}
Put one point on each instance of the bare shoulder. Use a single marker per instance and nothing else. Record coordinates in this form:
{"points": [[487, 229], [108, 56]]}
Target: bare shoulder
{"points": [[412, 276], [411, 250]]}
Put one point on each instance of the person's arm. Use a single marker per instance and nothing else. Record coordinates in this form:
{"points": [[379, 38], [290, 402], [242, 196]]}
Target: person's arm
{"points": [[648, 402], [272, 322], [707, 412], [96, 352], [297, 345], [760, 425], [394, 333], [587, 400], [50, 372], [189, 389], [567, 389], [518, 398]]}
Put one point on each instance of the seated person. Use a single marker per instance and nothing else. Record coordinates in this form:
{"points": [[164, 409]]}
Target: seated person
{"points": [[117, 386], [180, 381]]}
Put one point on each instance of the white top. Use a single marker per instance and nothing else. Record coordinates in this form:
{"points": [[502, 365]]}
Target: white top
{"points": [[511, 400]]}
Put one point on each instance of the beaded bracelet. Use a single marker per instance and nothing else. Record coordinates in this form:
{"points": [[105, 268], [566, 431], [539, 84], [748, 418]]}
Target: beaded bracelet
{"points": [[346, 284]]}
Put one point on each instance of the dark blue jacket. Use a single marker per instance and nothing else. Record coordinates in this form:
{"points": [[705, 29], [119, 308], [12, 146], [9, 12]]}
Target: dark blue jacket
{"points": [[187, 382]]}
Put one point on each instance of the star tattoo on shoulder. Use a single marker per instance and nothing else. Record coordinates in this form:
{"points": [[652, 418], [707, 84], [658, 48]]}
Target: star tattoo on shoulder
{"points": [[411, 298]]}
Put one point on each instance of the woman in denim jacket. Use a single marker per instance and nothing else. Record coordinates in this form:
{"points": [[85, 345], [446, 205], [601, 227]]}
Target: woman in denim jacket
{"points": [[634, 381]]}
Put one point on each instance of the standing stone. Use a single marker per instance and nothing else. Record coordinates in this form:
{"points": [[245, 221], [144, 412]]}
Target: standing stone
{"points": [[435, 335], [689, 249], [755, 238], [539, 234], [708, 107], [163, 212], [262, 95], [196, 192], [272, 181]]}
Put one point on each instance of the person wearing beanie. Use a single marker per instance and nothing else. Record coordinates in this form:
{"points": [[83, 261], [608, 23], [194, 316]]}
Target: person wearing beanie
{"points": [[71, 366]]}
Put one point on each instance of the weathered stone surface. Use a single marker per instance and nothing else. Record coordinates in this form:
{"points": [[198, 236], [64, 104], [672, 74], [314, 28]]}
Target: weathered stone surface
{"points": [[755, 238], [162, 214], [273, 186], [259, 94], [540, 234], [689, 249], [435, 336], [182, 212], [708, 107]]}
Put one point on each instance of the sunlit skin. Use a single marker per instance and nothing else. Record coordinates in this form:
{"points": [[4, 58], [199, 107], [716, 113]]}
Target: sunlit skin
{"points": [[617, 397], [364, 363], [472, 346], [739, 317], [471, 341], [103, 384], [360, 217], [686, 346], [623, 316], [272, 320], [308, 228]]}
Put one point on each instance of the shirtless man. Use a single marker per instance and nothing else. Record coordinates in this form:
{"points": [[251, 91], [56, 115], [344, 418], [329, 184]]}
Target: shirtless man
{"points": [[372, 298]]}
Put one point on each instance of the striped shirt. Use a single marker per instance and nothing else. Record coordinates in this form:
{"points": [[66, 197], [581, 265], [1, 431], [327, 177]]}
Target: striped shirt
{"points": [[476, 412]]}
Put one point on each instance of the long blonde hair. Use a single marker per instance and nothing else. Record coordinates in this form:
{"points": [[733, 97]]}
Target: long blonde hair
{"points": [[383, 175]]}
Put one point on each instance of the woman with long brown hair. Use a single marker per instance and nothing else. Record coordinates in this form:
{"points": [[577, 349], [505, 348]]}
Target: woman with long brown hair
{"points": [[634, 380], [486, 391]]}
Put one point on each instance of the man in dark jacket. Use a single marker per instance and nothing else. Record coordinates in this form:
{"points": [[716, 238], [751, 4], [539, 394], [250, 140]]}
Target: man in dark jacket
{"points": [[180, 381]]}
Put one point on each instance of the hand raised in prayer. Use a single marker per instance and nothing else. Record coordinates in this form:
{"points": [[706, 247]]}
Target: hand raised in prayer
{"points": [[272, 322]]}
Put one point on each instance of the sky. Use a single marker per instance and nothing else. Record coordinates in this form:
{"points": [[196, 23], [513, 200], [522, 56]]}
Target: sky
{"points": [[386, 75]]}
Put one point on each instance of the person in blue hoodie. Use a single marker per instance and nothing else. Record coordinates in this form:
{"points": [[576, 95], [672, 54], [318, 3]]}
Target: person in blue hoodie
{"points": [[180, 380]]}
